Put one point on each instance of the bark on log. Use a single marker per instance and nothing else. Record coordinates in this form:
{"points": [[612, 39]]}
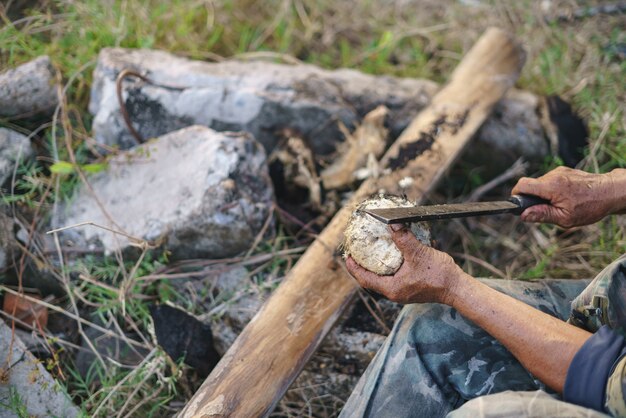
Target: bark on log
{"points": [[270, 352]]}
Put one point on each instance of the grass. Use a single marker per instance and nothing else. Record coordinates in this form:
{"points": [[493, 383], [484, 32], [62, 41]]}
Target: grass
{"points": [[14, 404], [572, 59]]}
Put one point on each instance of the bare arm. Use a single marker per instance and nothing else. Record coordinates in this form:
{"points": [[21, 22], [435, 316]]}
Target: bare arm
{"points": [[542, 343]]}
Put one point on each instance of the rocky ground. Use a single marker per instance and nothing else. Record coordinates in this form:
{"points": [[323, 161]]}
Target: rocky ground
{"points": [[145, 244]]}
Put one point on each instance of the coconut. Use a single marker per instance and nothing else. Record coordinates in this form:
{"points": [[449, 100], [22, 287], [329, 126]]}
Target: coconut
{"points": [[368, 241]]}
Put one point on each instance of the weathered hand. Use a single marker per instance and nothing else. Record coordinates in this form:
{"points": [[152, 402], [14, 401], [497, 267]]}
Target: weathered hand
{"points": [[576, 197], [426, 275]]}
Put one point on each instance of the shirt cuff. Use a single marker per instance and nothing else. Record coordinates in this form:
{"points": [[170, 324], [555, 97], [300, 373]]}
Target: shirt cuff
{"points": [[589, 371]]}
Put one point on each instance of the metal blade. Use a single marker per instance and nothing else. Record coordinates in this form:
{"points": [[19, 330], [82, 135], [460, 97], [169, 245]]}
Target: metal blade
{"points": [[432, 212]]}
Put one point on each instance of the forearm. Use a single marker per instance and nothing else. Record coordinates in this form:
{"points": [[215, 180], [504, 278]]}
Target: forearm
{"points": [[543, 344], [618, 200]]}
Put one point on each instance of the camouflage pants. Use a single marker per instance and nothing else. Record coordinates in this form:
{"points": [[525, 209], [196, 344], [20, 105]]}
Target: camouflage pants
{"points": [[434, 360]]}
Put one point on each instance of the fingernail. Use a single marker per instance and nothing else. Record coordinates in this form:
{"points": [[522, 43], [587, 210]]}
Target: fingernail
{"points": [[531, 218], [397, 227]]}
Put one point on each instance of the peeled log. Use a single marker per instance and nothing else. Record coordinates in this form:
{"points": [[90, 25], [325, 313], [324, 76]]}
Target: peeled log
{"points": [[270, 352]]}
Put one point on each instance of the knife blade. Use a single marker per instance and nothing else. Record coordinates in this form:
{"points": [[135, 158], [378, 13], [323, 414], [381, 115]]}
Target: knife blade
{"points": [[516, 204]]}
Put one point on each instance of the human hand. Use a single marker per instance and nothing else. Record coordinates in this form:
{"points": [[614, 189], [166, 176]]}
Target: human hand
{"points": [[426, 275], [576, 197]]}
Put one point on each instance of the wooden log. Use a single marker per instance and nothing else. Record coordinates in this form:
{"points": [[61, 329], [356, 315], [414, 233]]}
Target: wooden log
{"points": [[270, 352]]}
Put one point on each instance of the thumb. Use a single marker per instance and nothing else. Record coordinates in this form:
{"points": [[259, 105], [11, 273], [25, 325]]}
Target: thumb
{"points": [[364, 277], [403, 238]]}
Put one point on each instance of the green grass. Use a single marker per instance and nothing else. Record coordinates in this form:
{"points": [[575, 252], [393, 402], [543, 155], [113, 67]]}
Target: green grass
{"points": [[571, 59], [14, 404]]}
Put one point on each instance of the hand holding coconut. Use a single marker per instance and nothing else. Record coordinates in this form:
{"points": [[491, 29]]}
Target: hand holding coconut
{"points": [[426, 275], [397, 261]]}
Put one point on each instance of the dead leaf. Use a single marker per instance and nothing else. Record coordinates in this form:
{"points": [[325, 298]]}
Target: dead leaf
{"points": [[26, 310]]}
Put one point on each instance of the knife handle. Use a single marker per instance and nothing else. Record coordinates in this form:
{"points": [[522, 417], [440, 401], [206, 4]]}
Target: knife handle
{"points": [[525, 201]]}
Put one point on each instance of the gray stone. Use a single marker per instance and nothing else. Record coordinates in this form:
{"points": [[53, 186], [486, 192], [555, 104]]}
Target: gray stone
{"points": [[15, 148], [259, 97], [514, 129], [26, 388], [9, 246], [196, 192], [29, 89], [113, 349], [265, 99], [14, 236], [227, 299]]}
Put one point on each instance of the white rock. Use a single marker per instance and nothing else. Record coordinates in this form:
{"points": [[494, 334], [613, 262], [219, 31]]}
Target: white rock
{"points": [[28, 89], [265, 98], [369, 241], [9, 247], [514, 130], [258, 97], [15, 148], [39, 394], [199, 192]]}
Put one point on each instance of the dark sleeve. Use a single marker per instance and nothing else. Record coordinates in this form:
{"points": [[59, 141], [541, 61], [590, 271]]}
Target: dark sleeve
{"points": [[589, 372]]}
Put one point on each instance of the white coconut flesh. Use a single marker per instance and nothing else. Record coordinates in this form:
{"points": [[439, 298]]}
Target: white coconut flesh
{"points": [[368, 241]]}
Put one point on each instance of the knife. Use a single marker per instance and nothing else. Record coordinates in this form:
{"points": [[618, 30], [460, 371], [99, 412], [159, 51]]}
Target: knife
{"points": [[516, 204]]}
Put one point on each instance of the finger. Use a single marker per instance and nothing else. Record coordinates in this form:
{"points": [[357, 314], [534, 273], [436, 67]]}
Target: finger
{"points": [[366, 278], [545, 214], [404, 239], [535, 187]]}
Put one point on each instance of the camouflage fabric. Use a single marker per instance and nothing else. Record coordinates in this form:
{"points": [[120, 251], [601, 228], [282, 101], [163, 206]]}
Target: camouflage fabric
{"points": [[603, 302], [434, 360], [522, 405], [616, 390]]}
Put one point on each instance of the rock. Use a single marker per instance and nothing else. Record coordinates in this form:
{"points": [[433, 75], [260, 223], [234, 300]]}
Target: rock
{"points": [[28, 89], [15, 149], [514, 129], [36, 275], [226, 299], [196, 192], [112, 348], [182, 335], [258, 97], [265, 99], [9, 246], [26, 388]]}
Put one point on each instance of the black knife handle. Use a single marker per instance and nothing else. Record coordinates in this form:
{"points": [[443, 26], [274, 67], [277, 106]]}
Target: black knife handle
{"points": [[525, 201]]}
